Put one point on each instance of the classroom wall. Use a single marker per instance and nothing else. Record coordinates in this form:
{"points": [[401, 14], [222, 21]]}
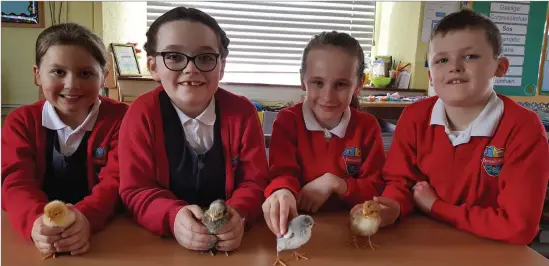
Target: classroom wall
{"points": [[18, 46], [125, 22]]}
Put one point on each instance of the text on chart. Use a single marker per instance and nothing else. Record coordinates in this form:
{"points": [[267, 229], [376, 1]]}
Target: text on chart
{"points": [[510, 8], [508, 81]]}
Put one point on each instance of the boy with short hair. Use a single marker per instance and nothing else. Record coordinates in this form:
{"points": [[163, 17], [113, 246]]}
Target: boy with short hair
{"points": [[469, 157]]}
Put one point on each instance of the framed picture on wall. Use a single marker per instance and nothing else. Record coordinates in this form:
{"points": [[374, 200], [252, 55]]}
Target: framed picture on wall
{"points": [[126, 61], [29, 14]]}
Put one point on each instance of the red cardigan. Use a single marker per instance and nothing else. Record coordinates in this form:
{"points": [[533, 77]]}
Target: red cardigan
{"points": [[473, 197], [144, 169], [24, 166], [299, 154]]}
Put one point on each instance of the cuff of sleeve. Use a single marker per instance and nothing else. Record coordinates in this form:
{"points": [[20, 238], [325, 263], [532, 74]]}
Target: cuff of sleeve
{"points": [[352, 195], [405, 205], [171, 217], [443, 211], [280, 183]]}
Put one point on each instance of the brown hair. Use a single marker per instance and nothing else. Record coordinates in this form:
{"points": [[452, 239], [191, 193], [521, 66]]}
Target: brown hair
{"points": [[71, 34], [468, 19], [190, 14], [341, 40]]}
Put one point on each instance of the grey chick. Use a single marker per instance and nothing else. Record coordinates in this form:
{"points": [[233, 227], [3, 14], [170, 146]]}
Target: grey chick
{"points": [[215, 217], [299, 233]]}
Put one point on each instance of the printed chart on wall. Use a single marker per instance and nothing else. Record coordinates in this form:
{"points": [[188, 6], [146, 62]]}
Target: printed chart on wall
{"points": [[522, 28]]}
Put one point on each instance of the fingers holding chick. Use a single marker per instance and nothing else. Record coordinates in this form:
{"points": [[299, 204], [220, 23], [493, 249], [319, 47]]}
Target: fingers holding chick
{"points": [[189, 233], [277, 209]]}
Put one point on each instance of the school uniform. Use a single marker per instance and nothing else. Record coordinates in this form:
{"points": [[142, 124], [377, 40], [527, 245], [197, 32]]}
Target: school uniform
{"points": [[169, 160], [491, 178], [301, 151], [43, 160]]}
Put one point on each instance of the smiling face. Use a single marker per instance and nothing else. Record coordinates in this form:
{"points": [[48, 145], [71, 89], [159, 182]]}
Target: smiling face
{"points": [[462, 67], [70, 78], [330, 80], [189, 87]]}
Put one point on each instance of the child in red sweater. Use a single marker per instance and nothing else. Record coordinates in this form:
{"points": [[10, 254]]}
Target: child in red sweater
{"points": [[63, 147], [188, 142], [469, 157], [324, 150]]}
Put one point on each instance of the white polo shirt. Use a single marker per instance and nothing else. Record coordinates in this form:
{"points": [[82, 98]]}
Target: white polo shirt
{"points": [[199, 131], [69, 139], [312, 124], [484, 125]]}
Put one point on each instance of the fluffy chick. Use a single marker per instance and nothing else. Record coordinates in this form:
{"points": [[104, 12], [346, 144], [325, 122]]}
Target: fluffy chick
{"points": [[215, 217], [299, 232], [366, 222], [57, 214]]}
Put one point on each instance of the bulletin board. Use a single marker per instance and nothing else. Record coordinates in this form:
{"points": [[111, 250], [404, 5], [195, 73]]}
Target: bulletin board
{"points": [[522, 26]]}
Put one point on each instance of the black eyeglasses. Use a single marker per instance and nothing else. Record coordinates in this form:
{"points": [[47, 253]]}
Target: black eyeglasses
{"points": [[175, 61]]}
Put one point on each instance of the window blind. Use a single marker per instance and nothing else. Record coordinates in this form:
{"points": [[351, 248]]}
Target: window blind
{"points": [[269, 37]]}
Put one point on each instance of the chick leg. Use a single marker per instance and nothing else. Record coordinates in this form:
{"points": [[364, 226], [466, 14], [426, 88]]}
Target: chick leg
{"points": [[48, 256], [353, 241], [298, 255], [370, 244], [279, 261]]}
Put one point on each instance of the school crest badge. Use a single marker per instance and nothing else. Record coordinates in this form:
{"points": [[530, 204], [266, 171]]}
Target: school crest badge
{"points": [[99, 153], [352, 159], [492, 160]]}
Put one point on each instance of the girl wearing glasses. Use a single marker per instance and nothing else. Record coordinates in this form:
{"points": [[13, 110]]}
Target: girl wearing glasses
{"points": [[188, 142], [325, 153], [64, 147]]}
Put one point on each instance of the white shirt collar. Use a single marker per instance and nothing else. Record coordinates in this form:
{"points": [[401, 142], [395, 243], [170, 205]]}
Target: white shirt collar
{"points": [[51, 120], [207, 116], [484, 125], [312, 124]]}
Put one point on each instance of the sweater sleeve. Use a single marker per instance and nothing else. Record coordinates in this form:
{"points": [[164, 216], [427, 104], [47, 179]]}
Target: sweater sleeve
{"points": [[369, 182], [153, 207], [284, 165], [523, 183], [101, 204], [251, 174], [400, 171], [22, 195]]}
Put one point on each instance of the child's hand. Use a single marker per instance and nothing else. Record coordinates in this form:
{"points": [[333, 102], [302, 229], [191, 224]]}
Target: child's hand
{"points": [[314, 194], [278, 208], [75, 239], [390, 210], [44, 237], [424, 196], [190, 233], [230, 235]]}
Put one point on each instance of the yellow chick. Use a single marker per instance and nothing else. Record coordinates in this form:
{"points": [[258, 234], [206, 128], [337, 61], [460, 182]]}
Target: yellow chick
{"points": [[366, 222], [57, 214]]}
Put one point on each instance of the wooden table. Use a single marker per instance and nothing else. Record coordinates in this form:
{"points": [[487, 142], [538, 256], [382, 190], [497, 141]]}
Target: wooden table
{"points": [[416, 241]]}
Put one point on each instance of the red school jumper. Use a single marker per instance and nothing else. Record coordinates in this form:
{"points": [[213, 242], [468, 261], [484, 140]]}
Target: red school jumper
{"points": [[298, 156], [145, 172], [24, 166], [504, 205]]}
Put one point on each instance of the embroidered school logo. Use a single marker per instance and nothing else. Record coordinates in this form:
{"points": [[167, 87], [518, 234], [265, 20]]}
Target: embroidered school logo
{"points": [[492, 160], [99, 153], [352, 159], [234, 161]]}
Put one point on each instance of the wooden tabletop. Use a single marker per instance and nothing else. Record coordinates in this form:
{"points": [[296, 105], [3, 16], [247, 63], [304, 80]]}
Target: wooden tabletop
{"points": [[418, 240], [365, 104]]}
